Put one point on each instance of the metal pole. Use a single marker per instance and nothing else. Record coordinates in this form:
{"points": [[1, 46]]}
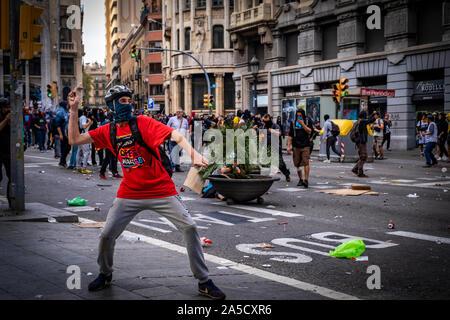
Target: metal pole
{"points": [[255, 104], [58, 50], [208, 84], [27, 83], [17, 194], [341, 108]]}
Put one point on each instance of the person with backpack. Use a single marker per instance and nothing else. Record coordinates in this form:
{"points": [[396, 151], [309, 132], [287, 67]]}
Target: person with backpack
{"points": [[378, 129], [330, 133], [431, 140], [387, 132], [359, 135], [146, 184]]}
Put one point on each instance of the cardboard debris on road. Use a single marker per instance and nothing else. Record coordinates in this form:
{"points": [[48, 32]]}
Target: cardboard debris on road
{"points": [[90, 225], [360, 187], [194, 181], [348, 192], [265, 245]]}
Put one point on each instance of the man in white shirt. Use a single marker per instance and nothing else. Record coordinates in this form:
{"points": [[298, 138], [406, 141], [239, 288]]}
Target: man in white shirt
{"points": [[85, 150], [180, 124], [378, 128]]}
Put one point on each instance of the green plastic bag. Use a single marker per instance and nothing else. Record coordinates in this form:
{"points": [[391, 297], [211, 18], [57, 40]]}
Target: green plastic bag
{"points": [[350, 249], [76, 202]]}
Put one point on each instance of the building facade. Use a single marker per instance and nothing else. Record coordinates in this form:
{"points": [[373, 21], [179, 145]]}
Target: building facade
{"points": [[60, 59], [302, 47], [121, 16], [98, 89], [199, 27]]}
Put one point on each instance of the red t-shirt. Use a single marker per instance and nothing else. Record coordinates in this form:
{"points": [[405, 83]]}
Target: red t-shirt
{"points": [[144, 176]]}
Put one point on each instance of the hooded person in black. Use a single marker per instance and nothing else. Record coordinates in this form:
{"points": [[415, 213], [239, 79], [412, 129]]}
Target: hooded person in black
{"points": [[362, 123]]}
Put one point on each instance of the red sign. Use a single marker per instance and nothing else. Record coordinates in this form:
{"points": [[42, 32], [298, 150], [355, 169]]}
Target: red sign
{"points": [[377, 93]]}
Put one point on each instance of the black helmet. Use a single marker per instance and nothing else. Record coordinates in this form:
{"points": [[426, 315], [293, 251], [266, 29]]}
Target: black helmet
{"points": [[118, 91]]}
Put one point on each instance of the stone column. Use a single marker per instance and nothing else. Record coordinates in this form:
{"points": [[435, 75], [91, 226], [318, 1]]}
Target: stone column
{"points": [[399, 26], [167, 100], [187, 94], [446, 21], [401, 108], [447, 83], [309, 44], [209, 16], [351, 35], [227, 23], [220, 94], [176, 103], [181, 23]]}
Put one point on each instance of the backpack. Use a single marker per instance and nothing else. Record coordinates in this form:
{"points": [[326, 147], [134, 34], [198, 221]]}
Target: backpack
{"points": [[335, 131], [354, 133], [137, 137]]}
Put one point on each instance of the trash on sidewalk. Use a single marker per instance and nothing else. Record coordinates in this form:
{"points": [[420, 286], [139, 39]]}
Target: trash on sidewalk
{"points": [[99, 203], [104, 185], [361, 258], [38, 296], [284, 225], [267, 266], [89, 274], [412, 195], [97, 208], [205, 241], [265, 246], [90, 225], [51, 220], [438, 242], [350, 249], [41, 171], [77, 201], [270, 207], [322, 182], [391, 225], [222, 267], [181, 189], [194, 181]]}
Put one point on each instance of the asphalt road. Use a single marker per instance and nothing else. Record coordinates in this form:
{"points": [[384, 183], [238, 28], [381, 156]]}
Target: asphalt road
{"points": [[413, 261]]}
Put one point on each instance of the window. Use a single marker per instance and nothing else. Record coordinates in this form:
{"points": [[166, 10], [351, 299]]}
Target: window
{"points": [[156, 90], [155, 44], [65, 35], [155, 25], [187, 39], [187, 4], [155, 68], [291, 49], [429, 22], [217, 37], [217, 3], [229, 94], [178, 39], [67, 66], [329, 42], [201, 3]]}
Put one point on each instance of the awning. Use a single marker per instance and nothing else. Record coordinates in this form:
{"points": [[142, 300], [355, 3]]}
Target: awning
{"points": [[426, 97]]}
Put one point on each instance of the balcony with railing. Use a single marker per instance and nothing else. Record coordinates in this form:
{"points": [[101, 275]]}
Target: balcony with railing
{"points": [[253, 16], [68, 47]]}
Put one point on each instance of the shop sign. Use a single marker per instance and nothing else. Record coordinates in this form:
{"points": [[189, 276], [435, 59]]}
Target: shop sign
{"points": [[429, 87], [377, 93]]}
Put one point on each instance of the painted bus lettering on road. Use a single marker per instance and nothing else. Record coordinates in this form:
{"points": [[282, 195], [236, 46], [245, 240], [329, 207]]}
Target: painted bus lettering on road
{"points": [[293, 243]]}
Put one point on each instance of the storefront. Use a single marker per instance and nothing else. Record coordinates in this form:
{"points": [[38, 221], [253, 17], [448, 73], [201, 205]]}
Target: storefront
{"points": [[428, 96], [375, 100]]}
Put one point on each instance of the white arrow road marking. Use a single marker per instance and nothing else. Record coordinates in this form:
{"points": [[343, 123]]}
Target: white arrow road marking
{"points": [[262, 210], [325, 292], [285, 242], [250, 219], [250, 248], [149, 227], [419, 236]]}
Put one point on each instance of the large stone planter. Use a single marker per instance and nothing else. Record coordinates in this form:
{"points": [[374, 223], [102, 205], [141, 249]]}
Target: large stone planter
{"points": [[242, 190]]}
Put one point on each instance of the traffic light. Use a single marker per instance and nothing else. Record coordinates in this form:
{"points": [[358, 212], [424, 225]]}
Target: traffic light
{"points": [[211, 101], [340, 90], [206, 100], [49, 90], [54, 90], [343, 86], [133, 52], [336, 93], [29, 31], [4, 25]]}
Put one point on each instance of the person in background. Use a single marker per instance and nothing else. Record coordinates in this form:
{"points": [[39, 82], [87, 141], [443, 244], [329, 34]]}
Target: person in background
{"points": [[442, 137], [316, 132], [329, 138], [5, 147], [85, 149], [61, 121], [387, 132], [421, 128], [27, 120], [378, 129], [361, 144], [180, 124], [430, 141]]}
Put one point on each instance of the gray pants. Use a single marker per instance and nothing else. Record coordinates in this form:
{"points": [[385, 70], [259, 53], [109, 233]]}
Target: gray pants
{"points": [[172, 208], [84, 151]]}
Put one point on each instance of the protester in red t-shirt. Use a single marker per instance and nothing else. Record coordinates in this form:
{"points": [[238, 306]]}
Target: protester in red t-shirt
{"points": [[146, 184]]}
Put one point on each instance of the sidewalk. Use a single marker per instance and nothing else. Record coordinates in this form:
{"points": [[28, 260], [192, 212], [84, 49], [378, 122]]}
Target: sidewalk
{"points": [[34, 257]]}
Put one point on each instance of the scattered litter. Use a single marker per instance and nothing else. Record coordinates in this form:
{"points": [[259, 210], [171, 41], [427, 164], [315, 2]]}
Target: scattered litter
{"points": [[99, 203], [322, 182], [438, 242], [400, 167], [391, 225], [80, 209], [361, 258], [267, 266], [389, 241], [205, 242], [445, 190], [337, 217], [270, 207], [237, 235], [51, 220], [348, 273], [222, 267], [90, 225], [76, 202], [60, 202], [412, 195], [284, 225], [360, 187], [104, 185], [350, 249], [348, 192], [41, 171], [97, 208], [438, 184], [263, 227], [265, 246], [38, 296], [129, 238], [89, 274], [182, 189], [246, 256]]}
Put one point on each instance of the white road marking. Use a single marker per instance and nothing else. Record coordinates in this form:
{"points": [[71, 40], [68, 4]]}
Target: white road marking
{"points": [[285, 243], [419, 236], [263, 210], [250, 219], [295, 256], [39, 164], [325, 292], [187, 198], [325, 236], [290, 189], [37, 157], [79, 209], [149, 227]]}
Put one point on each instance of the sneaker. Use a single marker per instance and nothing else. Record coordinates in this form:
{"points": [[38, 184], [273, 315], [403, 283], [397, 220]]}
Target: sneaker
{"points": [[209, 290], [326, 161], [439, 159], [300, 183], [362, 176], [342, 158], [427, 166], [62, 165], [80, 170], [305, 184], [87, 171], [100, 283], [70, 167], [288, 178], [102, 176], [355, 171], [117, 175]]}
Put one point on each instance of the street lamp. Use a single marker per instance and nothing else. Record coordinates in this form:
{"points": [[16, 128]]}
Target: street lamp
{"points": [[254, 67]]}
